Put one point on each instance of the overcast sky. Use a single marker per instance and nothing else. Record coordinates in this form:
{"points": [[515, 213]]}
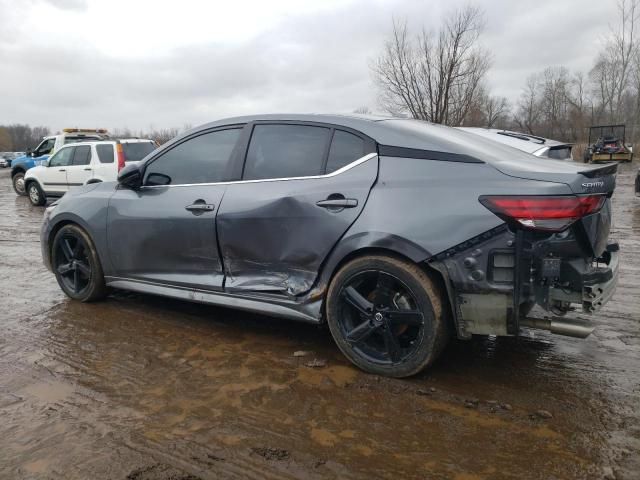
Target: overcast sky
{"points": [[152, 63]]}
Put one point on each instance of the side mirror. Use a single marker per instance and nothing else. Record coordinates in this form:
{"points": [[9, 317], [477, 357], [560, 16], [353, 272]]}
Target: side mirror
{"points": [[158, 179], [29, 152], [130, 177]]}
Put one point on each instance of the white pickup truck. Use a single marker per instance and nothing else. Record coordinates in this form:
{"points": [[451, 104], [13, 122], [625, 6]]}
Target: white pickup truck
{"points": [[82, 163]]}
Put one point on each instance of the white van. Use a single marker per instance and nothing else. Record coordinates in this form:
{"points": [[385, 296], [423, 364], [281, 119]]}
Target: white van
{"points": [[81, 163]]}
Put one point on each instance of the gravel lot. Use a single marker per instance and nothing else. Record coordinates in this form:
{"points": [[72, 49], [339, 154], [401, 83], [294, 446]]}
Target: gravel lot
{"points": [[141, 387]]}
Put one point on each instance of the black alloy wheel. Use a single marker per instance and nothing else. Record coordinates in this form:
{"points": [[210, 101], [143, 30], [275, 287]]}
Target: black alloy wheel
{"points": [[380, 317], [76, 265], [386, 315]]}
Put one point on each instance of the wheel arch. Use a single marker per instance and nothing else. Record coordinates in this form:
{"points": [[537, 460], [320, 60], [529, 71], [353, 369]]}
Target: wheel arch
{"points": [[94, 180], [374, 243], [69, 221], [16, 170]]}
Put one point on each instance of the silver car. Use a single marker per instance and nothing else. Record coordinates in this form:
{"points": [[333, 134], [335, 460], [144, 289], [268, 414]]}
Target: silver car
{"points": [[538, 146]]}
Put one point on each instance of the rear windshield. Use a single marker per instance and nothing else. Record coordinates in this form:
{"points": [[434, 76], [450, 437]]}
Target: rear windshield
{"points": [[134, 152], [563, 153]]}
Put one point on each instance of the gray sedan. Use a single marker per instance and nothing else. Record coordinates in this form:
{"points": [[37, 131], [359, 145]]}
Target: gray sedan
{"points": [[396, 233]]}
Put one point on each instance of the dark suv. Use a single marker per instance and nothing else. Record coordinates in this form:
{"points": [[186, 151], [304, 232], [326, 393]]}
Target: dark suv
{"points": [[397, 233]]}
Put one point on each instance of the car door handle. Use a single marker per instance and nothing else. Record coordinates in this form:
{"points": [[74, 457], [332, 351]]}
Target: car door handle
{"points": [[338, 203], [199, 207], [88, 169], [62, 170]]}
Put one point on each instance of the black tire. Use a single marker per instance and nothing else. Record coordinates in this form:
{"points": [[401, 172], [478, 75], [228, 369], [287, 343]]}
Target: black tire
{"points": [[363, 329], [18, 184], [76, 265], [35, 194]]}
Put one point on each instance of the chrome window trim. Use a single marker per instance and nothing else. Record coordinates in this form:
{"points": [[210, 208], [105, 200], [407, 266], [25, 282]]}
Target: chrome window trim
{"points": [[351, 165]]}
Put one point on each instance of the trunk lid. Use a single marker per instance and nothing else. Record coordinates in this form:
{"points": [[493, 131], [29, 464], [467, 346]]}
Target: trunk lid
{"points": [[582, 179]]}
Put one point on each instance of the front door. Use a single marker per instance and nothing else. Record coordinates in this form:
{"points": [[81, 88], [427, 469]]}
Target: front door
{"points": [[54, 179], [165, 232], [298, 198]]}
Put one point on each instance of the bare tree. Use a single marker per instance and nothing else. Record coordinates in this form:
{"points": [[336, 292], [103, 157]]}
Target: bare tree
{"points": [[434, 77], [6, 144], [362, 110], [528, 113], [612, 74], [495, 110]]}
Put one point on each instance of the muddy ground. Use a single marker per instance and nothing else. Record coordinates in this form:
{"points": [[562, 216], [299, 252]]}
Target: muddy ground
{"points": [[141, 387]]}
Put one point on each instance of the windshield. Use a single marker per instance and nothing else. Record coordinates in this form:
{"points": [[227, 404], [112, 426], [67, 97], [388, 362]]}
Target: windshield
{"points": [[136, 151]]}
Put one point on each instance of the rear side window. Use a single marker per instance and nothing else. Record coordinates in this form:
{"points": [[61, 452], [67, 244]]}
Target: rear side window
{"points": [[202, 159], [345, 148], [105, 153], [82, 155], [136, 151], [281, 151]]}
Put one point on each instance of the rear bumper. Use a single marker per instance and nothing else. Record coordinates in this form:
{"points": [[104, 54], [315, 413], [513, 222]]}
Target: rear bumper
{"points": [[598, 284], [494, 281]]}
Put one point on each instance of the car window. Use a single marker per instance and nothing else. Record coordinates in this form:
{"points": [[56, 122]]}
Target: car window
{"points": [[62, 157], [281, 151], [105, 153], [345, 148], [202, 159], [45, 147], [136, 151], [82, 155]]}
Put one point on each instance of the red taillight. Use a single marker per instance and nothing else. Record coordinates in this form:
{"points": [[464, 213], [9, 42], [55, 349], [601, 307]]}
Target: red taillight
{"points": [[120, 153], [549, 213]]}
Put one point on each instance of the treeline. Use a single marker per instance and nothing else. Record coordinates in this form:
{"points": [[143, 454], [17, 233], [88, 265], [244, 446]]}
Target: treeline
{"points": [[19, 138], [441, 77]]}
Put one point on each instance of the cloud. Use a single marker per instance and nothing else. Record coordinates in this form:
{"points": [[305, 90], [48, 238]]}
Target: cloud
{"points": [[71, 62]]}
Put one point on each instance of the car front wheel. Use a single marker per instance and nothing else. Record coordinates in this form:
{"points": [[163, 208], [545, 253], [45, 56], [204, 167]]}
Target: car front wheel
{"points": [[76, 265], [36, 195], [18, 184], [386, 315]]}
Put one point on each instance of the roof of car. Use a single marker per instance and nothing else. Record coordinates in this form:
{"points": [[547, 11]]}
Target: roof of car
{"points": [[388, 131]]}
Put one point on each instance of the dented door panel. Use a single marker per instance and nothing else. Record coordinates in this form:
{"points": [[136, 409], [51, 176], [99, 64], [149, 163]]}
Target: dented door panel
{"points": [[274, 236]]}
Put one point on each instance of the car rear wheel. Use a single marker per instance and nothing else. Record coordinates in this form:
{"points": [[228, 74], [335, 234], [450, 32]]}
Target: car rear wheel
{"points": [[18, 184], [386, 315], [36, 195], [76, 265]]}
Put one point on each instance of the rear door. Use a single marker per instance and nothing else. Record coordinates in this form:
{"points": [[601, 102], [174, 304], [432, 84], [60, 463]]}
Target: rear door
{"points": [[165, 232], [80, 170], [303, 186]]}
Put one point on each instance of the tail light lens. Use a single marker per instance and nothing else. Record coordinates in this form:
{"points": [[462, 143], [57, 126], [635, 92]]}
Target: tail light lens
{"points": [[550, 213], [120, 153]]}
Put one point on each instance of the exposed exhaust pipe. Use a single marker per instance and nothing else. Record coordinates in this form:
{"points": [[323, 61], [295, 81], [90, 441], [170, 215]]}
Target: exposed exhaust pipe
{"points": [[569, 327]]}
